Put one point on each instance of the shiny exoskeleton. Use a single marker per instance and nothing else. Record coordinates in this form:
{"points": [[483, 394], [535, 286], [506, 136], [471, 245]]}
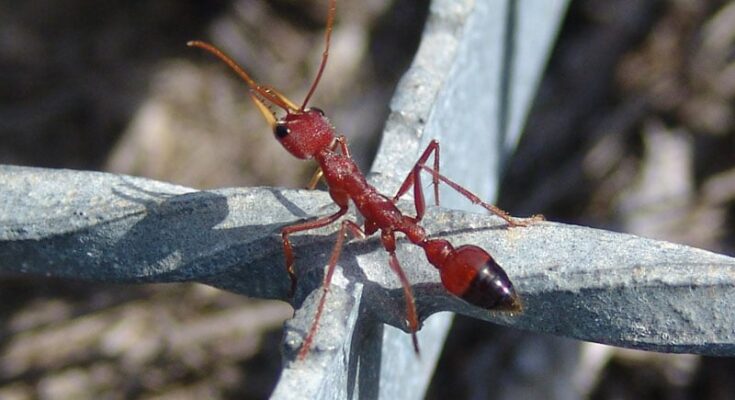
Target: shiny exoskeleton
{"points": [[467, 271]]}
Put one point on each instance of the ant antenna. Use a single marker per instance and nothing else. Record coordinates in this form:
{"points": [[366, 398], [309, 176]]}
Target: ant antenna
{"points": [[325, 55], [265, 92]]}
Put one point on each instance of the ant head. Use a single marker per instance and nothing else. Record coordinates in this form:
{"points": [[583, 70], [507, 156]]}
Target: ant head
{"points": [[302, 132]]}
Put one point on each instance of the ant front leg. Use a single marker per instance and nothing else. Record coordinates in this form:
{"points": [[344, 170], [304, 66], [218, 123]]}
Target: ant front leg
{"points": [[315, 178], [305, 226], [336, 251], [340, 141]]}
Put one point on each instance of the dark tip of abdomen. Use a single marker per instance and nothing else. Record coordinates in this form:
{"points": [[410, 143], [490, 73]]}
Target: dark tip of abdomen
{"points": [[491, 289]]}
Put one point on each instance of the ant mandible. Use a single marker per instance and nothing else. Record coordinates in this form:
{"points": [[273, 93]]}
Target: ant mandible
{"points": [[467, 271]]}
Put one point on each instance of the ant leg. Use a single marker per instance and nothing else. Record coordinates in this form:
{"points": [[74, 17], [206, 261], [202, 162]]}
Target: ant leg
{"points": [[411, 314], [305, 226], [340, 141], [389, 242], [336, 251], [315, 178], [414, 179], [512, 222]]}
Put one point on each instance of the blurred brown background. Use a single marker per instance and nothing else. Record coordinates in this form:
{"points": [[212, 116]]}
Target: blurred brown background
{"points": [[632, 131]]}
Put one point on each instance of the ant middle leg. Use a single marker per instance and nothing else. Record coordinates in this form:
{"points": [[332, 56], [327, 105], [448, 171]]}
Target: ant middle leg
{"points": [[334, 257], [304, 226]]}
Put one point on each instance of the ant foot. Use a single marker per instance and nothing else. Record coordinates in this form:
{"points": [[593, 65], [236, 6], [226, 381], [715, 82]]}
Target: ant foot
{"points": [[523, 222], [292, 277]]}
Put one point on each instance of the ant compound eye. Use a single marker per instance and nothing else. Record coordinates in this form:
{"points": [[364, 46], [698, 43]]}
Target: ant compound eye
{"points": [[281, 131], [317, 109]]}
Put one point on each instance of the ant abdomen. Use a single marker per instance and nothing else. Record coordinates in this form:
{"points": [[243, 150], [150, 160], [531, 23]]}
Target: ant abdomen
{"points": [[471, 274], [489, 288]]}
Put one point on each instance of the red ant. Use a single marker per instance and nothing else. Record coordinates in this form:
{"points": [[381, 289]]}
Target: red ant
{"points": [[468, 271]]}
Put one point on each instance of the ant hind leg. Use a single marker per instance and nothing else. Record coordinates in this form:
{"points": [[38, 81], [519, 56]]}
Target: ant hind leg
{"points": [[512, 222], [413, 179]]}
